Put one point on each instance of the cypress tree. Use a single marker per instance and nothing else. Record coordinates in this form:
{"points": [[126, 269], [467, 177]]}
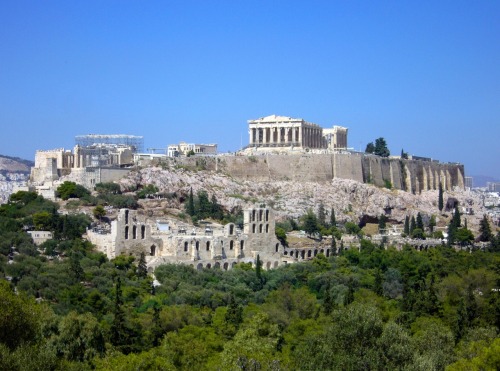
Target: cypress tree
{"points": [[333, 221], [333, 245], [413, 224], [407, 225], [432, 223], [142, 269], [349, 297], [328, 300], [118, 333], [440, 197], [321, 215], [190, 205], [420, 223]]}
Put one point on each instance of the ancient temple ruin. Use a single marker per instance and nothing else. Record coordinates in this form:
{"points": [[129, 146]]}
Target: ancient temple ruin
{"points": [[167, 240]]}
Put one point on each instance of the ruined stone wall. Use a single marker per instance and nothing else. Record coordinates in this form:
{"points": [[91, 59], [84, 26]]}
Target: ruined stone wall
{"points": [[410, 175]]}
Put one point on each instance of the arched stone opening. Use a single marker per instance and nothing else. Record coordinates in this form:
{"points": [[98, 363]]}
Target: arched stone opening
{"points": [[226, 266], [217, 265], [143, 231], [277, 247], [197, 244], [308, 253], [302, 254], [209, 266], [126, 232], [276, 264], [242, 244], [315, 252], [260, 215], [267, 215], [231, 244], [286, 252], [186, 245], [152, 250], [208, 245], [267, 228], [199, 267], [268, 265], [253, 228], [134, 232], [327, 253], [126, 216], [322, 251], [260, 228], [231, 229]]}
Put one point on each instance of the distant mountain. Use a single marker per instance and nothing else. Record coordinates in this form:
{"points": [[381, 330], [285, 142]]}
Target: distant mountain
{"points": [[10, 164], [480, 180]]}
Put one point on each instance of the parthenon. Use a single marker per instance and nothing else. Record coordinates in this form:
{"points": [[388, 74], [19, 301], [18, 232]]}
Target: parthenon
{"points": [[282, 131]]}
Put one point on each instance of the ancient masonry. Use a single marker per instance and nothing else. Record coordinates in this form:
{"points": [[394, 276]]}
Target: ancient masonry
{"points": [[168, 241]]}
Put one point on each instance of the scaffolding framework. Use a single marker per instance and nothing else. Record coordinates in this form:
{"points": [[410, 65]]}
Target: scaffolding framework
{"points": [[134, 141]]}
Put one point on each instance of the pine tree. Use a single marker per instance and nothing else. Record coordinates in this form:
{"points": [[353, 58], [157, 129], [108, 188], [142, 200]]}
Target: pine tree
{"points": [[440, 198], [407, 225], [485, 230]]}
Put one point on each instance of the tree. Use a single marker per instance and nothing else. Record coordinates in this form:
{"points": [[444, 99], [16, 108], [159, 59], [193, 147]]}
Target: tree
{"points": [[381, 148], [370, 148], [440, 198], [382, 223], [99, 212], [118, 327], [404, 154], [142, 269], [485, 230], [413, 224], [352, 228], [190, 204], [463, 236], [321, 215], [333, 221], [406, 229], [432, 223], [71, 190], [19, 319], [80, 337], [281, 235], [420, 223], [310, 223]]}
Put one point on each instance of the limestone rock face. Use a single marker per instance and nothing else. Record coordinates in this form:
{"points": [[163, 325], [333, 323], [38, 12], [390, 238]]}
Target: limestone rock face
{"points": [[350, 199]]}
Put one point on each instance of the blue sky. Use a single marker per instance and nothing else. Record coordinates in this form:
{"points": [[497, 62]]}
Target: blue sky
{"points": [[424, 75]]}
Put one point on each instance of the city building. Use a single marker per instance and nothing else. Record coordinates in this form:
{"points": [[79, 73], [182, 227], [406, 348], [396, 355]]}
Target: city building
{"points": [[184, 149]]}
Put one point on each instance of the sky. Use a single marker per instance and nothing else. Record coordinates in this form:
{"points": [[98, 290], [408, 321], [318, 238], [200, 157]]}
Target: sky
{"points": [[424, 75]]}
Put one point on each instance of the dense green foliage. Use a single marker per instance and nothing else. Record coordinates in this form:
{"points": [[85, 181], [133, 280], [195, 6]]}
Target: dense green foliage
{"points": [[372, 308]]}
